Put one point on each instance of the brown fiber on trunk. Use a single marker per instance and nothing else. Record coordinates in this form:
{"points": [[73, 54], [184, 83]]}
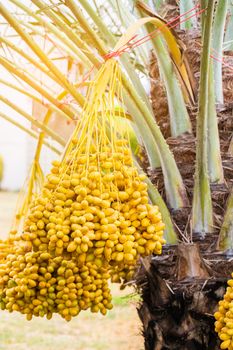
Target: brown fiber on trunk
{"points": [[179, 302]]}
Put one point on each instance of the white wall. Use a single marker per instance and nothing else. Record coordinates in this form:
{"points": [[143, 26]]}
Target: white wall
{"points": [[13, 150], [17, 150]]}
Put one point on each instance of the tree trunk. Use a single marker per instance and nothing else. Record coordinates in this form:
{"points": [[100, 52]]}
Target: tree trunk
{"points": [[181, 289], [180, 292]]}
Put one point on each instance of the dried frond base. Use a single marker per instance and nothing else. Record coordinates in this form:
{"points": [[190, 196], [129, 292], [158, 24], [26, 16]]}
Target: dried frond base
{"points": [[178, 313]]}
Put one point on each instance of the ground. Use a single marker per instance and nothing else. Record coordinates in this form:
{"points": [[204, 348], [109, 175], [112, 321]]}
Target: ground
{"points": [[120, 329]]}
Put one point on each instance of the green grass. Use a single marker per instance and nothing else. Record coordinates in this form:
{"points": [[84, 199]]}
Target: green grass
{"points": [[125, 300]]}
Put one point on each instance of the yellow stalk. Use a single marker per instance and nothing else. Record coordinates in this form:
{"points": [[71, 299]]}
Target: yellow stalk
{"points": [[35, 122], [28, 131], [101, 46], [150, 131], [34, 182], [31, 186], [69, 33], [40, 54], [96, 62], [29, 58], [97, 42], [39, 146], [174, 48], [45, 122], [35, 98], [30, 73], [62, 109], [56, 41], [74, 51]]}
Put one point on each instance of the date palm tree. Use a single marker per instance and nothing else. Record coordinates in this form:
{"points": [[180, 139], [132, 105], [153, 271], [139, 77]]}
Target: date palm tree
{"points": [[188, 158]]}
